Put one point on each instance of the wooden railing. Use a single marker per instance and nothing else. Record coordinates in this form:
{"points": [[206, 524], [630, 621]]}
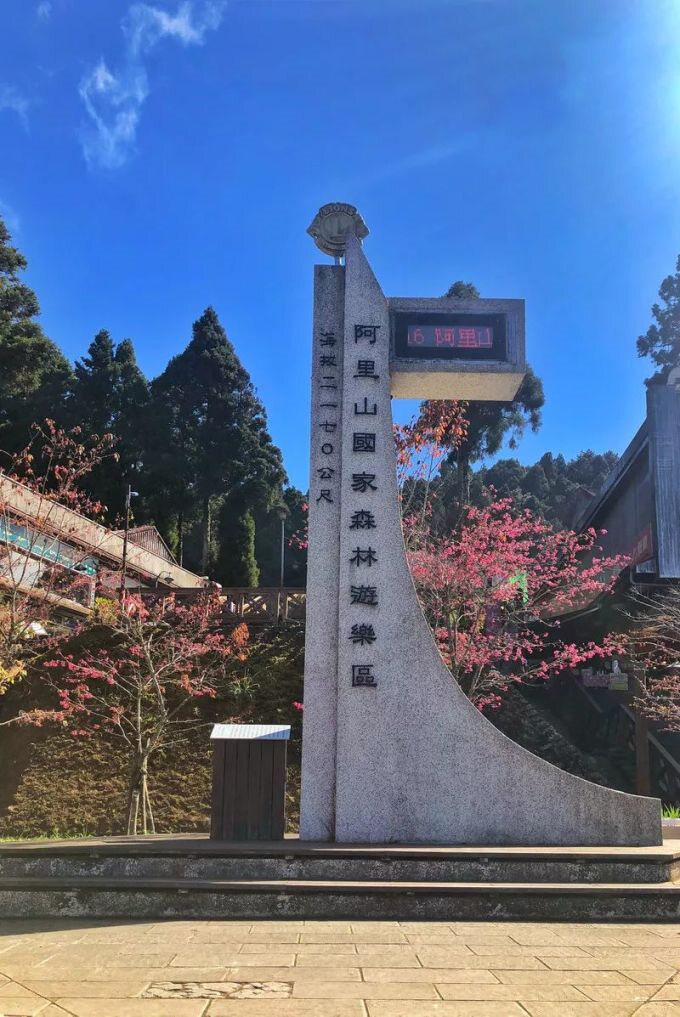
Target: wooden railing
{"points": [[261, 605], [613, 725]]}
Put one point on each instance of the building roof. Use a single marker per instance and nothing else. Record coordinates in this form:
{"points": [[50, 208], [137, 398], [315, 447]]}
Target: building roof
{"points": [[613, 479], [105, 544]]}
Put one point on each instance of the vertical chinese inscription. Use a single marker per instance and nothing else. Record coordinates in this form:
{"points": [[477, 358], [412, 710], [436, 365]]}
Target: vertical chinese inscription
{"points": [[363, 596], [321, 634]]}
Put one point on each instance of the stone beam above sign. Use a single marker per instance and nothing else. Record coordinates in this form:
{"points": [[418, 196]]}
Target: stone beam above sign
{"points": [[456, 349]]}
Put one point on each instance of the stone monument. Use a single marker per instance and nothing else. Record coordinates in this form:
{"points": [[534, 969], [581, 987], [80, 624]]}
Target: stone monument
{"points": [[393, 751]]}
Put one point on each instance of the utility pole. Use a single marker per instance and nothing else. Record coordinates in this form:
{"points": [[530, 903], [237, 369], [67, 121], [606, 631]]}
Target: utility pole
{"points": [[283, 549], [128, 497]]}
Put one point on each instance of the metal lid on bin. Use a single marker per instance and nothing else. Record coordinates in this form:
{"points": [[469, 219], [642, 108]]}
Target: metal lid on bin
{"points": [[262, 732]]}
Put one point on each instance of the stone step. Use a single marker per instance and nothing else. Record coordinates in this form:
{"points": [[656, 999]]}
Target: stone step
{"points": [[202, 859], [91, 897]]}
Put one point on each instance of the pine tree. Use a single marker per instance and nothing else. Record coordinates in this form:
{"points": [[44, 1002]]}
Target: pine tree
{"points": [[268, 541], [34, 375], [211, 447], [93, 402], [235, 563], [110, 395], [661, 342]]}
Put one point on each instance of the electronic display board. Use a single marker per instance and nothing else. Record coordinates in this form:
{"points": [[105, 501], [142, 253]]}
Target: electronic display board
{"points": [[450, 336]]}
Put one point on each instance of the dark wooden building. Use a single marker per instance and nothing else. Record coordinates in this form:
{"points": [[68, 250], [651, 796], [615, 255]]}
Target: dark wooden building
{"points": [[639, 503]]}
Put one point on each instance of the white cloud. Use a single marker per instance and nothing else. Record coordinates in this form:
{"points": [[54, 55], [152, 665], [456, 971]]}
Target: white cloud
{"points": [[113, 104], [44, 10], [114, 98], [145, 25], [12, 99], [9, 217]]}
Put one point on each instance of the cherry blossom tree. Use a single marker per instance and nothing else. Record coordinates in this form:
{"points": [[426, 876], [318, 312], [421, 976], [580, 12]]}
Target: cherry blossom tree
{"points": [[155, 661], [494, 591], [38, 571], [422, 446], [653, 644]]}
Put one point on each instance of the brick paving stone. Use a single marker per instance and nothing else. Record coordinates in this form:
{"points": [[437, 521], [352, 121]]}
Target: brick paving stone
{"points": [[303, 948], [132, 1007], [632, 992], [457, 975], [671, 992], [286, 1008], [518, 993], [218, 936], [548, 977], [645, 977], [230, 957], [23, 1006], [295, 974], [144, 940], [642, 940], [434, 957], [378, 960], [379, 936], [590, 940], [663, 948], [52, 1010], [658, 1010], [10, 989], [364, 990], [119, 989], [670, 957], [536, 937], [581, 1009], [368, 925], [446, 1008], [107, 974], [370, 949], [438, 939], [488, 944], [610, 961]]}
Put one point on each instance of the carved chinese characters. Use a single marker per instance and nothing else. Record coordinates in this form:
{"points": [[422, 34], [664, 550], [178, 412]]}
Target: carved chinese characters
{"points": [[321, 634], [363, 556]]}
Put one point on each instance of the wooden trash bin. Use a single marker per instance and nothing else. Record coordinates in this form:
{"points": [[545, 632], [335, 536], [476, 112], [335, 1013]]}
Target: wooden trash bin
{"points": [[249, 781]]}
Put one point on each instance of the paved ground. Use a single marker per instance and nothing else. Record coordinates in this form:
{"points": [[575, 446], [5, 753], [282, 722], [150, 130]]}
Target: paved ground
{"points": [[337, 969]]}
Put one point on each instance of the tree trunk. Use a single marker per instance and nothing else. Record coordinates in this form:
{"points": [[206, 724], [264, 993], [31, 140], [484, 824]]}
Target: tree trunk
{"points": [[205, 555], [180, 538], [139, 796], [463, 481]]}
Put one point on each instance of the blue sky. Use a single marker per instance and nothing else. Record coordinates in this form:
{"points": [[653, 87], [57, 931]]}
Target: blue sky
{"points": [[160, 157]]}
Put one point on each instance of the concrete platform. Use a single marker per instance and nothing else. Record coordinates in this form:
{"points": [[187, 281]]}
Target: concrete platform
{"points": [[193, 877]]}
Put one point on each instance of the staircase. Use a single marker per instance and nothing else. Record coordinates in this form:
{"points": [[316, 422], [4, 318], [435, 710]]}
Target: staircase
{"points": [[591, 733], [193, 877], [540, 722]]}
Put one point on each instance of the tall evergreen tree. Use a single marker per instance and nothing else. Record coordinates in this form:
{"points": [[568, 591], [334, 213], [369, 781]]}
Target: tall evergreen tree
{"points": [[661, 341], [211, 446], [93, 402], [110, 395], [268, 541], [236, 564], [34, 375], [554, 488]]}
